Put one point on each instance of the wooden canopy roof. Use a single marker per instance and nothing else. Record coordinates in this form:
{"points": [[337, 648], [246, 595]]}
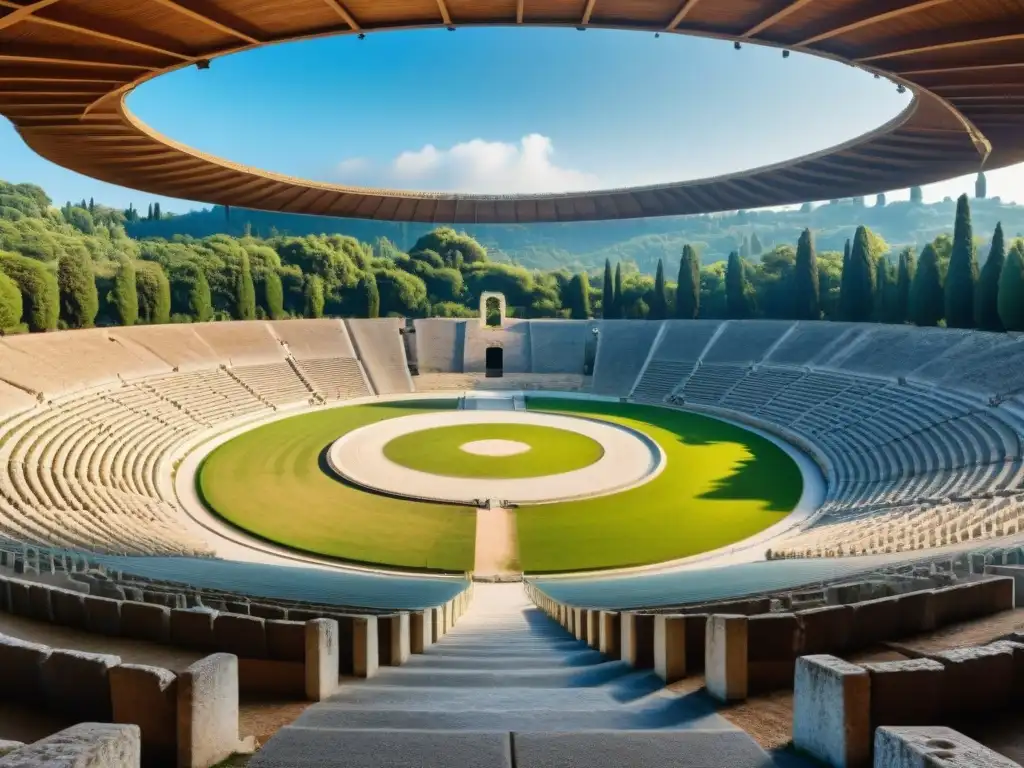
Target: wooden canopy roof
{"points": [[67, 65]]}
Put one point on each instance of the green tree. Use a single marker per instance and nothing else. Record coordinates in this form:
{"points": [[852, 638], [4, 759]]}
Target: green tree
{"points": [[806, 282], [845, 291], [370, 295], [885, 292], [577, 299], [981, 186], [314, 296], [608, 293], [123, 296], [756, 248], [79, 301], [688, 285], [986, 305], [154, 291], [40, 295], [11, 306], [245, 291], [880, 200], [737, 289], [1011, 290], [620, 304], [917, 197], [269, 293], [904, 281], [860, 283], [963, 270], [927, 302], [190, 292], [659, 298]]}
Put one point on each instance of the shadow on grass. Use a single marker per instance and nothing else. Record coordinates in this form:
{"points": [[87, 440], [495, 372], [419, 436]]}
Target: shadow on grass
{"points": [[418, 405]]}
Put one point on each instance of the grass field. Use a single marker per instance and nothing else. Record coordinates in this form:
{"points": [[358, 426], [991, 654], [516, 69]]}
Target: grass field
{"points": [[721, 484], [270, 482], [552, 451]]}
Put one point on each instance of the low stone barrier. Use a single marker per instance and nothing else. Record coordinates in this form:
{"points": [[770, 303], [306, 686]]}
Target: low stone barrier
{"points": [[86, 745], [393, 647], [207, 712], [725, 657], [636, 639], [831, 711], [923, 747]]}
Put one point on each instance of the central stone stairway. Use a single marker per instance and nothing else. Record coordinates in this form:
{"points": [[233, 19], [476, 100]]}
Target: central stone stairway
{"points": [[508, 687]]}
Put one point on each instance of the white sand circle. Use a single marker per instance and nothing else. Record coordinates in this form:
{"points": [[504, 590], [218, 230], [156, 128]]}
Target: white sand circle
{"points": [[495, 447]]}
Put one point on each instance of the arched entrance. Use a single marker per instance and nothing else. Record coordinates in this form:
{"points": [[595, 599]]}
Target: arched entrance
{"points": [[494, 362], [492, 309]]}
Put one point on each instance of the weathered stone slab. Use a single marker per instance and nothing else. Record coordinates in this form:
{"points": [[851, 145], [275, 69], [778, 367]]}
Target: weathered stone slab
{"points": [[917, 610], [69, 608], [21, 667], [593, 628], [244, 636], [21, 602], [7, 746], [611, 634], [237, 606], [977, 679], [832, 711], [321, 658], [580, 624], [208, 712], [263, 611], [77, 684], [875, 621], [437, 623], [103, 616], [905, 692], [636, 639], [420, 631], [286, 640], [1016, 648], [145, 621], [393, 639], [929, 746], [86, 745], [40, 599], [725, 657], [193, 628], [827, 629], [774, 640], [670, 647], [147, 697]]}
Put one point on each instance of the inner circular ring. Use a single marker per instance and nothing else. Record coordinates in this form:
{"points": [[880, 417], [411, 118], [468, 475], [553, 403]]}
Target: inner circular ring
{"points": [[629, 458]]}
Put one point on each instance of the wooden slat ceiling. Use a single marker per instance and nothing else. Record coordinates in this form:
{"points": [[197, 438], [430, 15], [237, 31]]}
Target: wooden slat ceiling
{"points": [[66, 67]]}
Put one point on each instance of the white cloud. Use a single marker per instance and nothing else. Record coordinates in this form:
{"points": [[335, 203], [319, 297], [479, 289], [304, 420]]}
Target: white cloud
{"points": [[477, 166]]}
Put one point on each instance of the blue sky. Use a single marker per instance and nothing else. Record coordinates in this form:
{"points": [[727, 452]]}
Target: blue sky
{"points": [[503, 110]]}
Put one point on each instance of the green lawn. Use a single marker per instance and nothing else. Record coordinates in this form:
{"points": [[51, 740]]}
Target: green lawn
{"points": [[721, 484], [270, 482], [552, 451]]}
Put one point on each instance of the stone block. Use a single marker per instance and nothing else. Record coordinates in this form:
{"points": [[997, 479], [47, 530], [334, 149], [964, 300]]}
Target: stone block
{"points": [[420, 635], [21, 666], [696, 634], [77, 684], [147, 697], [193, 628], [827, 629], [208, 712], [905, 692], [145, 621], [957, 603], [437, 623], [610, 635], [725, 657], [69, 609], [1016, 648], [579, 629], [86, 745], [593, 628], [243, 636], [976, 680], [103, 616], [238, 607], [875, 621], [917, 610], [774, 640], [930, 746], [21, 602], [262, 611], [286, 640], [1014, 572], [365, 659], [321, 658], [5, 595], [40, 599], [636, 639], [670, 647], [832, 711], [393, 639], [7, 746]]}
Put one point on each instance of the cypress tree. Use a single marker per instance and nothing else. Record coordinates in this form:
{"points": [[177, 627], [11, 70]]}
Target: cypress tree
{"points": [[806, 296], [314, 296], [11, 305], [745, 248], [154, 291], [861, 283], [737, 288], [371, 295], [245, 291], [880, 201], [40, 296], [916, 196], [620, 301], [659, 300], [926, 298], [756, 249], [149, 212], [963, 270], [79, 301], [981, 186], [844, 283], [1011, 290], [885, 292], [904, 281], [123, 296], [578, 296], [190, 292], [608, 293], [986, 305], [688, 285], [269, 293], [156, 211]]}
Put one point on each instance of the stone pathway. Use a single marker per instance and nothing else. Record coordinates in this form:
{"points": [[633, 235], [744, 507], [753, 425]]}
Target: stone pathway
{"points": [[508, 687], [497, 543]]}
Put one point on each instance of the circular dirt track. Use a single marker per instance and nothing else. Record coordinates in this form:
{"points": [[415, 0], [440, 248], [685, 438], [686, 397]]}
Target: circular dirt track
{"points": [[627, 459]]}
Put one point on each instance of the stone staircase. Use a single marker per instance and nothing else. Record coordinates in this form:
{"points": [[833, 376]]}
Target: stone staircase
{"points": [[507, 687]]}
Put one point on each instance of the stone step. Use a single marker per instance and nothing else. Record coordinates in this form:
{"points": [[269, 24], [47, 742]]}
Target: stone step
{"points": [[504, 661], [512, 677]]}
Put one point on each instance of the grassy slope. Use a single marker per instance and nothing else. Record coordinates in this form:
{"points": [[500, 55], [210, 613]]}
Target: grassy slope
{"points": [[437, 451], [269, 482], [721, 484]]}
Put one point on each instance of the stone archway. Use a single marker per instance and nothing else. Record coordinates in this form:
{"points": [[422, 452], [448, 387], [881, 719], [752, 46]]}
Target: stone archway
{"points": [[487, 296]]}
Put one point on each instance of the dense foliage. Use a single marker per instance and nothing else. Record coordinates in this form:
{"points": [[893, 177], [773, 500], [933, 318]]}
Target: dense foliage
{"points": [[75, 266]]}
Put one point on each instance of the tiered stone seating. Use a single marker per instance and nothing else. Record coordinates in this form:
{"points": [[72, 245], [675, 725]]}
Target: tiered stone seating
{"points": [[992, 373], [660, 378], [622, 350], [207, 396], [13, 401], [440, 344], [559, 346], [277, 383], [710, 383], [247, 343], [675, 357], [745, 341], [894, 351], [336, 378], [380, 348], [809, 341], [551, 382], [319, 339], [758, 388], [178, 345]]}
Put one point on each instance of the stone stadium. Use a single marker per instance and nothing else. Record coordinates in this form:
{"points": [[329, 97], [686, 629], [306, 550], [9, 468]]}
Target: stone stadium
{"points": [[442, 540]]}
